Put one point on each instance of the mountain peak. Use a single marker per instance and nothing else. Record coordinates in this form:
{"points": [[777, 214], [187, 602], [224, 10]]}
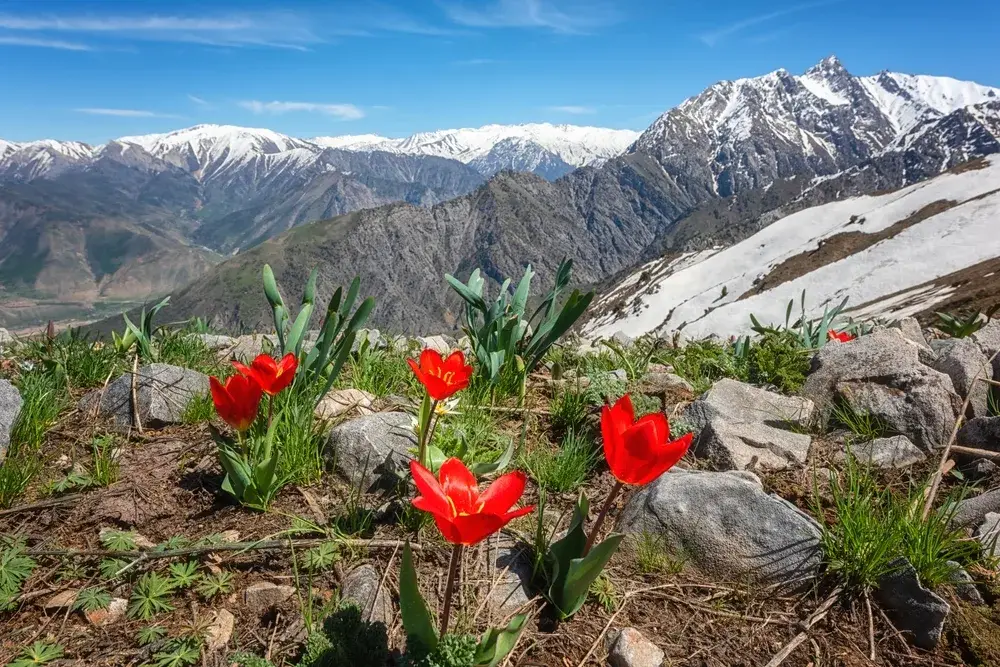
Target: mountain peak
{"points": [[828, 68]]}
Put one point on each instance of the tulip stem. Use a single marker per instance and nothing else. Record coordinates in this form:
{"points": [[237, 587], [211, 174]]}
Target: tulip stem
{"points": [[456, 558], [426, 416], [600, 517], [270, 411]]}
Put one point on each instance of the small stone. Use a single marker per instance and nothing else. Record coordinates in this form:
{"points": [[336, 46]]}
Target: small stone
{"points": [[10, 408], [659, 368], [363, 587], [988, 534], [162, 392], [104, 617], [971, 512], [342, 401], [216, 343], [621, 338], [658, 383], [61, 600], [965, 587], [264, 595], [619, 374], [912, 608], [963, 361], [220, 631], [910, 328], [440, 344], [230, 536], [981, 433], [632, 649], [894, 452], [514, 586]]}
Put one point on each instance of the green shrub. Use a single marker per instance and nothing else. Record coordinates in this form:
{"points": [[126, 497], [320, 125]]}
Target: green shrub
{"points": [[702, 363], [776, 358], [452, 651]]}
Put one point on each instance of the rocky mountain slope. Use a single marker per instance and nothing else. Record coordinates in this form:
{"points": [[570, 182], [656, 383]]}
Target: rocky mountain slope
{"points": [[662, 195], [894, 255]]}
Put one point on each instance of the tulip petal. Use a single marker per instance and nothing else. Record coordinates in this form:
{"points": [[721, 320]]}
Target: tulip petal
{"points": [[503, 493], [459, 485], [667, 458], [474, 528], [510, 516], [434, 500], [265, 364]]}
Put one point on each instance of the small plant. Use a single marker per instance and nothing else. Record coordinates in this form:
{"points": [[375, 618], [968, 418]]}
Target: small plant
{"points": [[92, 599], [213, 585], [178, 348], [635, 358], [321, 557], [503, 336], [173, 543], [452, 650], [380, 372], [15, 568], [963, 327], [603, 589], [199, 409], [776, 358], [178, 652], [566, 468], [118, 540], [140, 336], [184, 574], [812, 333], [605, 388], [151, 596], [569, 410], [150, 634], [39, 653], [653, 557], [104, 461], [111, 568], [346, 639], [864, 426]]}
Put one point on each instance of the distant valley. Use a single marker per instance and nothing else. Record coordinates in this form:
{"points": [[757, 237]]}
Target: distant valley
{"points": [[400, 213]]}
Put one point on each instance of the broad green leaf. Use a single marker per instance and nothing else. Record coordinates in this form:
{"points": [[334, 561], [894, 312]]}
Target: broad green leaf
{"points": [[416, 618], [497, 643], [582, 573], [481, 469]]}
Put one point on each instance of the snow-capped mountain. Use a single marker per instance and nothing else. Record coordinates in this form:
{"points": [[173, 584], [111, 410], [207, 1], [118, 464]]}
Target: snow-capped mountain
{"points": [[891, 255], [747, 133], [575, 145]]}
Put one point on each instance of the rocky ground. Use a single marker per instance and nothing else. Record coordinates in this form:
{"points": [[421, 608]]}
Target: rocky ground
{"points": [[748, 553]]}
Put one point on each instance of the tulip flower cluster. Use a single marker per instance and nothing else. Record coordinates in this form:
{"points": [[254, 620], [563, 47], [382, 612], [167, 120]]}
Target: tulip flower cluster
{"points": [[840, 336], [250, 468], [637, 452]]}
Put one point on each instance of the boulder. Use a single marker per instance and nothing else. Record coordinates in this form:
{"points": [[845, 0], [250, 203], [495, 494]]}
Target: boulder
{"points": [[981, 433], [342, 401], [988, 534], [909, 327], [894, 452], [621, 338], [727, 527], [880, 374], [162, 391], [245, 348], [362, 586], [962, 361], [971, 512], [664, 382], [740, 425], [912, 608], [441, 344], [631, 649], [988, 340], [372, 448], [10, 408]]}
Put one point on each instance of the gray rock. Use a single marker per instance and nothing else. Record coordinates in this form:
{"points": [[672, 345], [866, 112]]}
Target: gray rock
{"points": [[912, 608], [894, 452], [441, 343], [163, 393], [981, 433], [981, 468], [264, 595], [971, 512], [338, 402], [739, 402], [247, 347], [619, 374], [988, 534], [910, 328], [738, 425], [881, 374], [727, 527], [372, 336], [631, 649], [664, 382], [964, 585], [362, 586], [988, 340], [962, 361], [514, 569], [744, 446], [621, 338], [10, 408], [372, 448]]}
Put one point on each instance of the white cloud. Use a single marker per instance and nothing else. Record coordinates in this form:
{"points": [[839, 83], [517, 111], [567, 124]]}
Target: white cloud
{"points": [[579, 16], [573, 109], [341, 111], [40, 42], [719, 35], [199, 101], [125, 113]]}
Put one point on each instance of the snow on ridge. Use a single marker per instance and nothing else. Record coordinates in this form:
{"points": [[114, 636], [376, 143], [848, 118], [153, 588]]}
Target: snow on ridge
{"points": [[959, 237]]}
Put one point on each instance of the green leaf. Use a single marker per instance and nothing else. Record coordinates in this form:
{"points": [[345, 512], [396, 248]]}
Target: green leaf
{"points": [[496, 644], [468, 292], [481, 469], [416, 618], [435, 458], [582, 573]]}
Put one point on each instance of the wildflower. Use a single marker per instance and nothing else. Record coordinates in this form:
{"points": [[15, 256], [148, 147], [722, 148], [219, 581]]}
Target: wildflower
{"points": [[639, 451], [442, 378], [272, 376], [237, 401], [840, 336]]}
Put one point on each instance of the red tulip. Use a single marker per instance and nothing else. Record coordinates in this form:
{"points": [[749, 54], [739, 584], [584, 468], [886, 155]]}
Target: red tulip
{"points": [[639, 451], [272, 376], [237, 401], [463, 515], [840, 336], [442, 378]]}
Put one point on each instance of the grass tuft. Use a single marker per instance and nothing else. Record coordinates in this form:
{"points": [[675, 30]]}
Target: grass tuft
{"points": [[565, 468]]}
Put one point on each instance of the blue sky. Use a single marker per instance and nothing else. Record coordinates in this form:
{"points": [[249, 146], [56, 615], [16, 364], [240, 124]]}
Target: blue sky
{"points": [[92, 71]]}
